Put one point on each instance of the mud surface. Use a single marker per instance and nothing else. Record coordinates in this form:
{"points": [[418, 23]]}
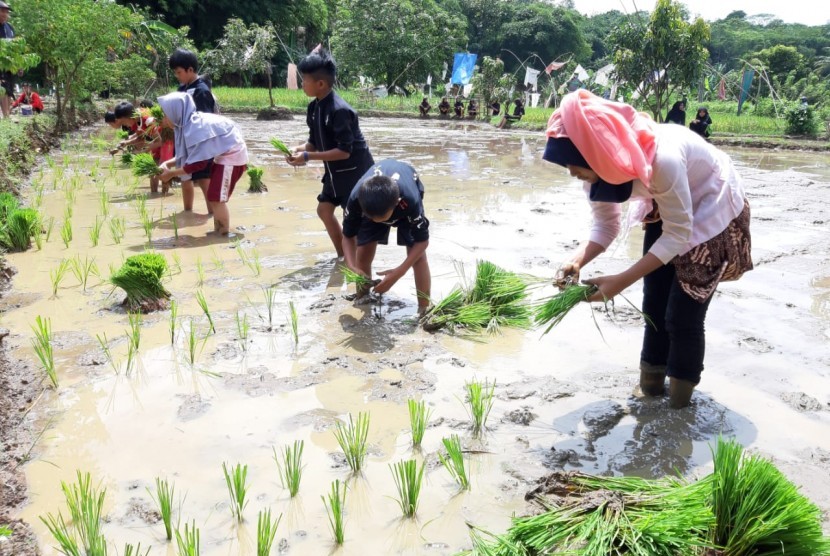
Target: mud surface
{"points": [[566, 401]]}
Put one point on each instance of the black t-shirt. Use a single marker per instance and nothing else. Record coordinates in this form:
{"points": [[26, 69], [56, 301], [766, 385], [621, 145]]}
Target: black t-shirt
{"points": [[333, 124], [202, 97], [410, 208]]}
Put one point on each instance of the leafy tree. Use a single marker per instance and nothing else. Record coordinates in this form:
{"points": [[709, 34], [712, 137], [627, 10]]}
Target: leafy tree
{"points": [[394, 40], [490, 81], [780, 60], [245, 49], [662, 55], [15, 56], [132, 75]]}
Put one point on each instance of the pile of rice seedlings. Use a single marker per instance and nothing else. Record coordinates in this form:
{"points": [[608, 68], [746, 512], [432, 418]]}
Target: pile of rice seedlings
{"points": [[745, 507], [495, 298], [552, 311], [127, 159], [140, 277], [280, 146], [144, 165], [17, 225], [256, 185]]}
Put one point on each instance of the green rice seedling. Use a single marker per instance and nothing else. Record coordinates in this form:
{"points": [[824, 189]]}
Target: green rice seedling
{"points": [[194, 343], [553, 310], [163, 497], [270, 294], [147, 223], [8, 203], [18, 229], [174, 313], [86, 505], [478, 403], [218, 263], [5, 531], [290, 466], [66, 232], [335, 503], [140, 277], [63, 535], [200, 272], [200, 299], [352, 440], [69, 194], [237, 482], [188, 542], [57, 275], [256, 185], [408, 479], [418, 420], [453, 462], [177, 261], [133, 339], [141, 206], [105, 347], [254, 263], [280, 146], [127, 159], [104, 202], [95, 231], [83, 269], [144, 165], [242, 330], [42, 344], [295, 322], [355, 278], [50, 225], [118, 228], [758, 510], [135, 550], [174, 220], [266, 532]]}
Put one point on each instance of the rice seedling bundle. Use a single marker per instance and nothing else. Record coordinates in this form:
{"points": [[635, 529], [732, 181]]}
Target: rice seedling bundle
{"points": [[356, 278], [552, 311], [140, 277], [280, 146], [144, 165], [256, 185], [18, 228], [127, 159]]}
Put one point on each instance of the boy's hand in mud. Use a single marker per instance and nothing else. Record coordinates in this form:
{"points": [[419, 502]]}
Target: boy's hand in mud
{"points": [[390, 277], [566, 275]]}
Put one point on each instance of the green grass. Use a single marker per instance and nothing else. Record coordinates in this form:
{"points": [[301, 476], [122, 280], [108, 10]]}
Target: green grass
{"points": [[163, 497], [408, 480], [290, 466], [479, 402], [188, 541], [335, 503], [236, 479], [453, 462], [352, 440], [5, 531], [266, 532], [418, 420], [42, 344], [200, 299]]}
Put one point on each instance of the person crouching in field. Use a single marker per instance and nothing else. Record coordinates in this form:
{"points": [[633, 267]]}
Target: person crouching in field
{"points": [[202, 139], [389, 195]]}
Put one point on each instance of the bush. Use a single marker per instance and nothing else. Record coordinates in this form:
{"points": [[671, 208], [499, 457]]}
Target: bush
{"points": [[765, 107], [801, 120]]}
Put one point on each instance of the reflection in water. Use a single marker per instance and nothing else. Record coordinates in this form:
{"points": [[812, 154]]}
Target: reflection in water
{"points": [[459, 163]]}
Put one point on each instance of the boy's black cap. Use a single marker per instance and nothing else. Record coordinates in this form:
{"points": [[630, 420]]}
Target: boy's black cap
{"points": [[4, 6]]}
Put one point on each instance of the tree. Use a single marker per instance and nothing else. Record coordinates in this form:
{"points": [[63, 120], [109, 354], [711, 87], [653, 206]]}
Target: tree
{"points": [[394, 40], [15, 56], [662, 55], [245, 49], [490, 81]]}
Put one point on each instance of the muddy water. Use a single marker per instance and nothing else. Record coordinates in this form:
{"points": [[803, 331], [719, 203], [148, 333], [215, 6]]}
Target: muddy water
{"points": [[565, 400]]}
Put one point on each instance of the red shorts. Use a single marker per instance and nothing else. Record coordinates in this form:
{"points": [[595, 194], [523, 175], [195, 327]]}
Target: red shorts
{"points": [[222, 181]]}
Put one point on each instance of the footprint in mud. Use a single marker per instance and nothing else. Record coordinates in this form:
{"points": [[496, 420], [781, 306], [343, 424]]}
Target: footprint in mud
{"points": [[192, 407], [801, 401], [755, 345]]}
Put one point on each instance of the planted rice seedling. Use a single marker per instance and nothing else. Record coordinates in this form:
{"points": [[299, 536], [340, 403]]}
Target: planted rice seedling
{"points": [[218, 263], [57, 275], [83, 269], [118, 227], [86, 504], [69, 194], [194, 343], [174, 312], [66, 232], [280, 146], [335, 503], [42, 344], [200, 299], [270, 294], [418, 420], [147, 224], [105, 347], [188, 542], [295, 322], [163, 497], [50, 225], [95, 231], [63, 534], [254, 263], [478, 403], [256, 185], [140, 277], [408, 479], [237, 482], [266, 532], [133, 339], [135, 550], [104, 202], [553, 310], [242, 330], [352, 440], [290, 466], [144, 165], [175, 221], [453, 462], [200, 272]]}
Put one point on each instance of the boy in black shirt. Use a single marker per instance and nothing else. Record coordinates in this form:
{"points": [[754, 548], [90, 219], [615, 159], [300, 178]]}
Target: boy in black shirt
{"points": [[444, 107], [184, 65], [390, 194], [334, 138]]}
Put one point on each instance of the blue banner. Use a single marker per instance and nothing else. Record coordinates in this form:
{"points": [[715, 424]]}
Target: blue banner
{"points": [[746, 83], [462, 68]]}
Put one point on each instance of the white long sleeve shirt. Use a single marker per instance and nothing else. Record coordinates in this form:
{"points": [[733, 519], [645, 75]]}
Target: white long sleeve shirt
{"points": [[695, 186]]}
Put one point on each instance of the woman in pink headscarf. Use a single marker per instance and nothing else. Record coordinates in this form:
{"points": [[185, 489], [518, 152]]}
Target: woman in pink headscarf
{"points": [[696, 218]]}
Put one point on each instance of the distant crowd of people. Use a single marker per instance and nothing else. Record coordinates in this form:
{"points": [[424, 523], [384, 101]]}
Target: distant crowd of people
{"points": [[471, 110]]}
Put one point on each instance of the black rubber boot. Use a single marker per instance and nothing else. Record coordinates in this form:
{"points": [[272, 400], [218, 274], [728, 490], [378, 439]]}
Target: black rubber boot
{"points": [[652, 379], [680, 392]]}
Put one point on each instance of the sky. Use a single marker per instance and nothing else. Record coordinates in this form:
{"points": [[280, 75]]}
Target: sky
{"points": [[808, 12]]}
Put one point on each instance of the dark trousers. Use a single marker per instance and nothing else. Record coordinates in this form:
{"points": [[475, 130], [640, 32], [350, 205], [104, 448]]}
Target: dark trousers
{"points": [[675, 335]]}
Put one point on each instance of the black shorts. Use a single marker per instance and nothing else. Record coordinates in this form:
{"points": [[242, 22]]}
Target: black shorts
{"points": [[371, 231], [338, 184], [203, 174], [7, 82]]}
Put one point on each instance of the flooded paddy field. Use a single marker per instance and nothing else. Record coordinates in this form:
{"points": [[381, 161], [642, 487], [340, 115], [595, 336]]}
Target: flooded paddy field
{"points": [[567, 400]]}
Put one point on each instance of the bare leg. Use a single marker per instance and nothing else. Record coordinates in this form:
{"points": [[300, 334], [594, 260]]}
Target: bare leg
{"points": [[154, 184], [203, 185], [423, 282], [187, 194], [326, 213], [221, 218], [365, 256]]}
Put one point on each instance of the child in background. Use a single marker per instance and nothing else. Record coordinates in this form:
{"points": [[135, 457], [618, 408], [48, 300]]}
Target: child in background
{"points": [[28, 96], [200, 139], [459, 107], [145, 136], [424, 107], [185, 65], [334, 138], [390, 194], [444, 107], [472, 109]]}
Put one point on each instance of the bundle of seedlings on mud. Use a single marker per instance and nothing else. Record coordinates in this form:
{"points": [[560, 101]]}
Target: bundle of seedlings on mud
{"points": [[144, 165], [494, 299], [127, 159], [140, 277], [256, 185], [280, 146], [19, 227]]}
